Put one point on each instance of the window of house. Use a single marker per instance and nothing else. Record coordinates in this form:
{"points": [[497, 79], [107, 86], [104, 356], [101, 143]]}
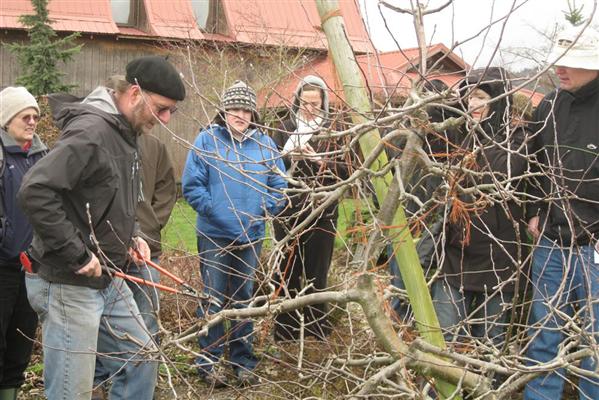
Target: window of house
{"points": [[201, 9], [209, 15], [125, 12]]}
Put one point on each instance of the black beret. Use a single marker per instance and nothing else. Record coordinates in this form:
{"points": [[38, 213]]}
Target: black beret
{"points": [[156, 74]]}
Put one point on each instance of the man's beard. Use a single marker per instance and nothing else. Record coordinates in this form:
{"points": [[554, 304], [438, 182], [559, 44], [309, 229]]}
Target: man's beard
{"points": [[140, 120]]}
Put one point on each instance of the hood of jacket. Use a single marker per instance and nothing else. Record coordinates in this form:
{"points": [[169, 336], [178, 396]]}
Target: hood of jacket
{"points": [[494, 81], [324, 95], [66, 107]]}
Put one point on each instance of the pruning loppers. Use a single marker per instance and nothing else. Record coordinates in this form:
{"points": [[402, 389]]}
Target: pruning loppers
{"points": [[187, 288]]}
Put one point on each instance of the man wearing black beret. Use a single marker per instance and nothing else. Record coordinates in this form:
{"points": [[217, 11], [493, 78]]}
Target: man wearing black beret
{"points": [[81, 201]]}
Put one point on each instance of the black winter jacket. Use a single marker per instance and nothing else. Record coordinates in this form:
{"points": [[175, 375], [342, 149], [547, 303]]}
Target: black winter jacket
{"points": [[484, 254], [311, 174], [566, 145], [16, 232], [95, 163], [334, 167], [481, 253]]}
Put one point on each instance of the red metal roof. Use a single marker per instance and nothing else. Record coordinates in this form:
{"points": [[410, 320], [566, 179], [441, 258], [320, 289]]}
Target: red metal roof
{"points": [[94, 16], [270, 22], [290, 23], [535, 97], [402, 58], [172, 19]]}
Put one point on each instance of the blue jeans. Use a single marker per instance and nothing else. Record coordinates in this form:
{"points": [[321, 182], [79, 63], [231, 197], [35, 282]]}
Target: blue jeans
{"points": [[401, 308], [147, 299], [228, 276], [562, 280], [80, 323], [470, 313]]}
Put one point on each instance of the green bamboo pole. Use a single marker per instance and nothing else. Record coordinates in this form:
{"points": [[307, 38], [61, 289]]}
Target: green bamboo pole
{"points": [[404, 247]]}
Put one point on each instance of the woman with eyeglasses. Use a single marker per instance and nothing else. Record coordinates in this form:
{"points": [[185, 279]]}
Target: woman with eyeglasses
{"points": [[19, 115]]}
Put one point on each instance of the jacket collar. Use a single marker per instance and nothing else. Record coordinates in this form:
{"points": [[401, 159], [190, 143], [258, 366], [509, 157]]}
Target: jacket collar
{"points": [[586, 91], [11, 145], [225, 133], [65, 107]]}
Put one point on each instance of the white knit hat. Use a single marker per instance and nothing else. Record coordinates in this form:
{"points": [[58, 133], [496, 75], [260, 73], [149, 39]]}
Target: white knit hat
{"points": [[583, 54], [13, 100]]}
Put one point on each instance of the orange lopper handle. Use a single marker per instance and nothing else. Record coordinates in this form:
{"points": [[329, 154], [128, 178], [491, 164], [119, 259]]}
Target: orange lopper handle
{"points": [[160, 269], [144, 282]]}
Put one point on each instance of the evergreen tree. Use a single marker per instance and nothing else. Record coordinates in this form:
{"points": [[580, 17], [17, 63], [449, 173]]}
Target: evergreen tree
{"points": [[40, 57], [574, 14]]}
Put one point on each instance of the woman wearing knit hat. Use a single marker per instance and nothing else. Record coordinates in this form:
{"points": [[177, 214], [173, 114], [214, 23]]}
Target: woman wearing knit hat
{"points": [[19, 114], [233, 178], [477, 274]]}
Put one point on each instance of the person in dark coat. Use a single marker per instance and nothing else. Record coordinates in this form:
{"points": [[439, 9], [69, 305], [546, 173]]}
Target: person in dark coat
{"points": [[308, 161], [564, 219], [159, 190], [81, 200], [22, 148], [482, 250]]}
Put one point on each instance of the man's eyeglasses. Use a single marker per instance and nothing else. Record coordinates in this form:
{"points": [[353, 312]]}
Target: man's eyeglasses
{"points": [[161, 110], [158, 109]]}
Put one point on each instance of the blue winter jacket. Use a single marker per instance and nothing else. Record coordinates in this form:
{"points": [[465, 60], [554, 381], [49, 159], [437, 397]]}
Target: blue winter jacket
{"points": [[16, 232], [232, 185]]}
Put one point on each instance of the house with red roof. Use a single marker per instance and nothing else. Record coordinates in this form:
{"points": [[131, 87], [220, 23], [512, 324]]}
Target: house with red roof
{"points": [[388, 75], [212, 42], [115, 31]]}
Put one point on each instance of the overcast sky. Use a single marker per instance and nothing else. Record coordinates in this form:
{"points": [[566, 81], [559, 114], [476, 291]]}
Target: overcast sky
{"points": [[466, 18]]}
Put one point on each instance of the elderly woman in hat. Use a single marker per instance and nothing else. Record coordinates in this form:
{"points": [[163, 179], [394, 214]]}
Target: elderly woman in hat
{"points": [[21, 147], [233, 179]]}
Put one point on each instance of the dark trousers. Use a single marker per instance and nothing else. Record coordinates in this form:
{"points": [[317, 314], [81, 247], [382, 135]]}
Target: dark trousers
{"points": [[307, 262], [15, 315]]}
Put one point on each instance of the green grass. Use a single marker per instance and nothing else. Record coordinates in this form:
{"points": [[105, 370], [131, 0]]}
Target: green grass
{"points": [[179, 233], [348, 220], [37, 368]]}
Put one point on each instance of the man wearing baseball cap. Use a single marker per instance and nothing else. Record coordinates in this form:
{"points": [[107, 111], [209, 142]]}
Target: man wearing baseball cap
{"points": [[81, 200], [564, 218]]}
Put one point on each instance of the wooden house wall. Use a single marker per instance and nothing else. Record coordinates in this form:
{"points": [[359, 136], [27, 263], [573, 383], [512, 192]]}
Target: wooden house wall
{"points": [[101, 58]]}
